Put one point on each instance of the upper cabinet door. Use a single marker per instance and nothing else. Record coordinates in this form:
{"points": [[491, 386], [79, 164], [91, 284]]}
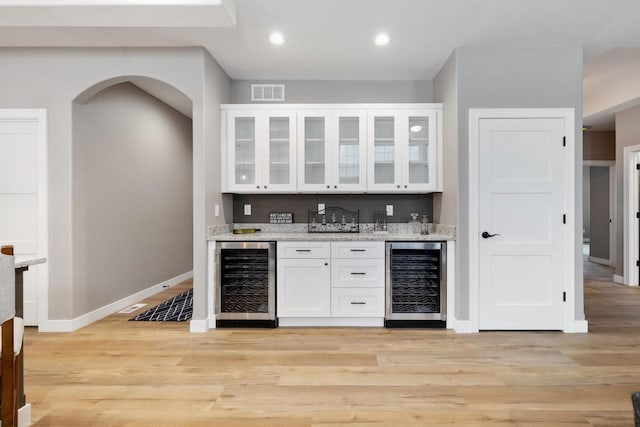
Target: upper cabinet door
{"points": [[349, 151], [384, 150], [314, 151], [244, 171], [403, 151], [420, 151], [279, 156]]}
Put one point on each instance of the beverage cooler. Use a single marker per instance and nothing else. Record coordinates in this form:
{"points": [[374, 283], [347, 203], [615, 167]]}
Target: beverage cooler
{"points": [[245, 284], [416, 284]]}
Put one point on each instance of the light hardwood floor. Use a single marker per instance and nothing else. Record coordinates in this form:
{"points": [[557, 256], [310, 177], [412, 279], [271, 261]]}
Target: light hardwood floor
{"points": [[120, 373]]}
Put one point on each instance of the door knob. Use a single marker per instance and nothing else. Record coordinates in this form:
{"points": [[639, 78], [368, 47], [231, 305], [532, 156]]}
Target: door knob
{"points": [[486, 235]]}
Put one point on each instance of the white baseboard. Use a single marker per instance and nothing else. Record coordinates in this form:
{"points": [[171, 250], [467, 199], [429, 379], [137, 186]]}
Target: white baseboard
{"points": [[99, 313], [331, 322], [618, 279], [463, 327], [597, 260], [578, 327], [24, 416], [198, 326]]}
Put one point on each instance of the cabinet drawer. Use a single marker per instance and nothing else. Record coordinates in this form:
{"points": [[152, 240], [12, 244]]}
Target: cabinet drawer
{"points": [[363, 273], [303, 250], [357, 250], [357, 302]]}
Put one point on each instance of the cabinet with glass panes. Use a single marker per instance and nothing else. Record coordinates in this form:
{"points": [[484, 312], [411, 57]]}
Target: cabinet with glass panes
{"points": [[404, 149], [260, 151], [332, 148], [333, 151]]}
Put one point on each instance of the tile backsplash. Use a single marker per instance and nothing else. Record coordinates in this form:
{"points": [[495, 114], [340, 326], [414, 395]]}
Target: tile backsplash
{"points": [[300, 204]]}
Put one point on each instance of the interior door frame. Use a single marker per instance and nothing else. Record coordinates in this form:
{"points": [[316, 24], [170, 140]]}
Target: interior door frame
{"points": [[570, 324], [631, 203], [611, 164], [38, 115]]}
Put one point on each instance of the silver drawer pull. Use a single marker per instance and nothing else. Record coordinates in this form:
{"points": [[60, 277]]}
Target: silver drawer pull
{"points": [[358, 303], [357, 273], [358, 250], [303, 250]]}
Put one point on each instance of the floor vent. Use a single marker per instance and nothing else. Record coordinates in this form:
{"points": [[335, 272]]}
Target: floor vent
{"points": [[132, 308], [262, 92]]}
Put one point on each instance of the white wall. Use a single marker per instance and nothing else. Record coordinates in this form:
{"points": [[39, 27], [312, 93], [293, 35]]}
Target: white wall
{"points": [[132, 195], [51, 78]]}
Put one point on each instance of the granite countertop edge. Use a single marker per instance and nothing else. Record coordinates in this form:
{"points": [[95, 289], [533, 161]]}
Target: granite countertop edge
{"points": [[29, 262], [260, 236]]}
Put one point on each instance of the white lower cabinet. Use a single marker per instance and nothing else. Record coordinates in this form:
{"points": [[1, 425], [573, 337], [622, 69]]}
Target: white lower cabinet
{"points": [[330, 283], [355, 302], [303, 288]]}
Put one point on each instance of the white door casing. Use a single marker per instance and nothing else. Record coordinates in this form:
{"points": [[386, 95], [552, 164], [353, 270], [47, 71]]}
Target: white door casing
{"points": [[631, 226], [521, 187], [23, 201]]}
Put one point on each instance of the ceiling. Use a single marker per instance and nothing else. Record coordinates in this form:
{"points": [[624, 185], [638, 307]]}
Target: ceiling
{"points": [[326, 39]]}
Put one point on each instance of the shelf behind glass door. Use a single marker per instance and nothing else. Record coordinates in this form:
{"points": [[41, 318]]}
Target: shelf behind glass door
{"points": [[314, 148], [279, 146], [349, 150], [418, 150], [245, 150], [384, 150]]}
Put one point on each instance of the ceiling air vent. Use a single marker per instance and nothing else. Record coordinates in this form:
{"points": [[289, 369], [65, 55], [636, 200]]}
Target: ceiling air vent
{"points": [[260, 92]]}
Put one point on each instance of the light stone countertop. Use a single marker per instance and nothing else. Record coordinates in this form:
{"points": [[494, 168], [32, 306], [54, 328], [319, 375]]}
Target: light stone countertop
{"points": [[298, 232], [22, 263], [262, 237]]}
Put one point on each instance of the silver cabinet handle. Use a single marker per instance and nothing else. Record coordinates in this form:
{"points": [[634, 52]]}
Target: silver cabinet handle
{"points": [[303, 250], [358, 303], [357, 273], [358, 250]]}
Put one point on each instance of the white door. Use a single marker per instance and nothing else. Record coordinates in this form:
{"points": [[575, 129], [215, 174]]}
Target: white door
{"points": [[23, 197], [520, 193], [304, 288]]}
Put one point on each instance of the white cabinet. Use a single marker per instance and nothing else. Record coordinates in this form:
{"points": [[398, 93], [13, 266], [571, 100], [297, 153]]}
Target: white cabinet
{"points": [[330, 283], [332, 150], [357, 279], [303, 279], [405, 151], [260, 152]]}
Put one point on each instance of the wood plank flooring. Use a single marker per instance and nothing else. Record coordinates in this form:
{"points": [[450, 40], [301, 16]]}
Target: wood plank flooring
{"points": [[120, 373]]}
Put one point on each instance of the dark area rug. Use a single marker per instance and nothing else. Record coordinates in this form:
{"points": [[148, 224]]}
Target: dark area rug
{"points": [[176, 309]]}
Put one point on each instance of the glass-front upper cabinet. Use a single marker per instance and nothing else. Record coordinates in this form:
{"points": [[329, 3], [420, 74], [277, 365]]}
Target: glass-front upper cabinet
{"points": [[261, 151], [333, 145], [402, 151]]}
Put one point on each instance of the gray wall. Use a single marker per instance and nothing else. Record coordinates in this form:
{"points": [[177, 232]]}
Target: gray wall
{"points": [[627, 134], [340, 91], [586, 201], [132, 195], [599, 209], [52, 78], [514, 78], [300, 204], [599, 145], [445, 87]]}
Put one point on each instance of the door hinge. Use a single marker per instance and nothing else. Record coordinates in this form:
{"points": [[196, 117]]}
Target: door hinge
{"points": [[637, 216], [564, 297], [638, 263], [564, 141], [564, 218], [638, 166]]}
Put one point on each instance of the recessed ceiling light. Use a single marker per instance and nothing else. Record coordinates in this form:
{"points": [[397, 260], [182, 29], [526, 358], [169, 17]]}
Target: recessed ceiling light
{"points": [[276, 38], [382, 39]]}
